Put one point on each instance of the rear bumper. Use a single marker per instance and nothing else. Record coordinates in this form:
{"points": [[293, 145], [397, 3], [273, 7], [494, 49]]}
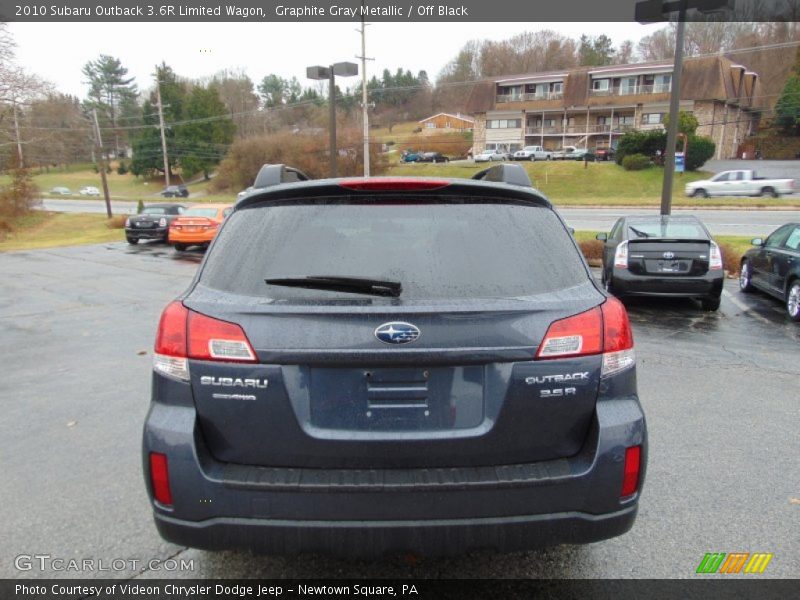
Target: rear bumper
{"points": [[191, 238], [157, 233], [372, 512], [625, 283], [376, 538]]}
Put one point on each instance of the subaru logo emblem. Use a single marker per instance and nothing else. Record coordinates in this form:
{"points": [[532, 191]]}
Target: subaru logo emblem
{"points": [[397, 332], [668, 255]]}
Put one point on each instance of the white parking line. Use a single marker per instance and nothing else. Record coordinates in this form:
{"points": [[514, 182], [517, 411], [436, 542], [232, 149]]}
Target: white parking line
{"points": [[745, 308]]}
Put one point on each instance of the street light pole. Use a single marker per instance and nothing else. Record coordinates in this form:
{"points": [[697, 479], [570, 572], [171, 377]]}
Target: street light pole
{"points": [[332, 141], [343, 69], [674, 105]]}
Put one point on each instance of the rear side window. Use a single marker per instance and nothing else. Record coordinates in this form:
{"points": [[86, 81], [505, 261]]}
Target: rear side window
{"points": [[435, 250]]}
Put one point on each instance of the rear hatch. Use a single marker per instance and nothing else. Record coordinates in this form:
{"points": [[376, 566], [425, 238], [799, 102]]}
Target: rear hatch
{"points": [[481, 280], [668, 257], [146, 221]]}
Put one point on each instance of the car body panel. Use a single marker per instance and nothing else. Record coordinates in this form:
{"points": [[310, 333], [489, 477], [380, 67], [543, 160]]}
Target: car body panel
{"points": [[153, 222]]}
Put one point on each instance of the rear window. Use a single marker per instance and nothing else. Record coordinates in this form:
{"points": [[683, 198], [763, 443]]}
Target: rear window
{"points": [[154, 211], [201, 212], [436, 251], [668, 229]]}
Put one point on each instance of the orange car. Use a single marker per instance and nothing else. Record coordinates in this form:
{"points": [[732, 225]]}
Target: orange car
{"points": [[198, 225]]}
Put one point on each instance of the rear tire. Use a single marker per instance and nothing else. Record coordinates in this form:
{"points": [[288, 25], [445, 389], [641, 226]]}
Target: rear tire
{"points": [[181, 247], [700, 193], [771, 192], [745, 278], [132, 241], [711, 303], [793, 300]]}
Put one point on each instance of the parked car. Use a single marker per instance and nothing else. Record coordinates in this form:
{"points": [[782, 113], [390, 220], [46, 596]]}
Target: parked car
{"points": [[405, 377], [89, 190], [532, 153], [563, 153], [662, 256], [152, 223], [408, 156], [61, 191], [581, 154], [773, 266], [492, 155], [742, 182], [197, 226], [604, 154], [433, 157], [175, 191]]}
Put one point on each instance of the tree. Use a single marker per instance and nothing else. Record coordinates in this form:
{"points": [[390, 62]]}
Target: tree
{"points": [[596, 51], [112, 94], [687, 123], [18, 197], [787, 109], [237, 92], [273, 90], [203, 140]]}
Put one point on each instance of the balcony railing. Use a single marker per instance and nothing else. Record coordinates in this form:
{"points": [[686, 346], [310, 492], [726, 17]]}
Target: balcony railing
{"points": [[579, 129], [658, 88], [529, 97]]}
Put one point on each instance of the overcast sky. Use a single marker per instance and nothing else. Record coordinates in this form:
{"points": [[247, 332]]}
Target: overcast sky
{"points": [[58, 51]]}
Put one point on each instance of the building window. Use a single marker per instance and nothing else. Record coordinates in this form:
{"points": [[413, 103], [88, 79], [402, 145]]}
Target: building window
{"points": [[504, 124], [662, 84], [558, 88], [430, 125], [627, 86], [600, 85], [627, 120], [652, 118], [602, 120]]}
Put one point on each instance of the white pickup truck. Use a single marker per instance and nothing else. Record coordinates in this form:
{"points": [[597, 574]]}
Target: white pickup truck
{"points": [[743, 182], [533, 153]]}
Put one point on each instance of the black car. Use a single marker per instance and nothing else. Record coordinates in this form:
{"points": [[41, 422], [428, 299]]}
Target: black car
{"points": [[375, 365], [433, 157], [152, 223], [773, 266], [662, 256], [604, 154], [175, 191]]}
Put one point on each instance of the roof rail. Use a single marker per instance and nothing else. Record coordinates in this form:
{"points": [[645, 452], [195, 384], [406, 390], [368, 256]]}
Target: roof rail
{"points": [[270, 175], [505, 173]]}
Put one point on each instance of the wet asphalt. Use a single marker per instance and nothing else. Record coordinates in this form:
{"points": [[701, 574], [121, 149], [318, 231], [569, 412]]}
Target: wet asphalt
{"points": [[719, 391]]}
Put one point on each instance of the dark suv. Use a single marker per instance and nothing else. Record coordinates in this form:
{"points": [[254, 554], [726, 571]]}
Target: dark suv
{"points": [[379, 365], [175, 191]]}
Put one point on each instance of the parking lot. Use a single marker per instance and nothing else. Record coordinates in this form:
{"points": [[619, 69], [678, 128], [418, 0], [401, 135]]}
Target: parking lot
{"points": [[719, 391]]}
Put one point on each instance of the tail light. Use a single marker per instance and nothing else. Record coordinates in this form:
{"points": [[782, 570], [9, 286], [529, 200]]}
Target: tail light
{"points": [[159, 477], [127, 222], [630, 470], [162, 222], [184, 334], [393, 184], [715, 258], [601, 330], [621, 256]]}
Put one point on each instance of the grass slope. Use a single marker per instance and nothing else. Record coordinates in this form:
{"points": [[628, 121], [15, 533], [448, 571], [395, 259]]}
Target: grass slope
{"points": [[50, 230]]}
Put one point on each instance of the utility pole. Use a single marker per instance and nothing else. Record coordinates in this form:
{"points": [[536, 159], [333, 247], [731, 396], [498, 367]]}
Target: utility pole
{"points": [[161, 125], [19, 141], [364, 107], [332, 137], [101, 162], [674, 105]]}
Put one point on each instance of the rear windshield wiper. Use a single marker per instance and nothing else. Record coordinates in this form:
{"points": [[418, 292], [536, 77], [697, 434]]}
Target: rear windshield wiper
{"points": [[349, 285], [638, 232]]}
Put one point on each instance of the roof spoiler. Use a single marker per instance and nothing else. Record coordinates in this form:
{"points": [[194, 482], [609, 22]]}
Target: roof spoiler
{"points": [[505, 173], [270, 175]]}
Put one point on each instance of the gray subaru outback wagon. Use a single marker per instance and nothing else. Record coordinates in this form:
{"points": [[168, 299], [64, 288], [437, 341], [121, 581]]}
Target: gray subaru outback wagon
{"points": [[380, 365]]}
